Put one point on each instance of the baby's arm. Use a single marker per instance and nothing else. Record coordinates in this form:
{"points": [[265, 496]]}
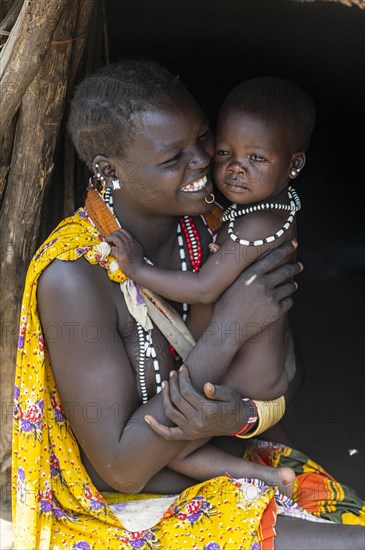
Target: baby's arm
{"points": [[205, 287]]}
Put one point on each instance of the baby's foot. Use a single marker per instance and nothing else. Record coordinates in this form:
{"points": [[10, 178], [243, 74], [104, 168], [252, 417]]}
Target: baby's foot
{"points": [[286, 481]]}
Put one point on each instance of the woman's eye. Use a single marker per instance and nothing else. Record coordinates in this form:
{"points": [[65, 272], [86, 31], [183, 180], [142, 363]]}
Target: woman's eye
{"points": [[256, 158], [173, 160], [221, 153], [204, 135]]}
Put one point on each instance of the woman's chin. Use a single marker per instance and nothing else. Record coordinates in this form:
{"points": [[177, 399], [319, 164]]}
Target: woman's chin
{"points": [[197, 205]]}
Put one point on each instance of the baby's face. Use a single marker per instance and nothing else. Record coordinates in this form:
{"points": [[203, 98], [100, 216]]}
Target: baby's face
{"points": [[252, 156]]}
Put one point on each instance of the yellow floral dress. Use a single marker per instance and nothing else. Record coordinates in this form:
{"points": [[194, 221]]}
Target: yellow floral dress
{"points": [[56, 505]]}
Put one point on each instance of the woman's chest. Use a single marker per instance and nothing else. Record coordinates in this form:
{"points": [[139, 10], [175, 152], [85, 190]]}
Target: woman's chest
{"points": [[149, 353]]}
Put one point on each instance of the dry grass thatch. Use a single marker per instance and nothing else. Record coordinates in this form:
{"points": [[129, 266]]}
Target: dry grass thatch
{"points": [[359, 3]]}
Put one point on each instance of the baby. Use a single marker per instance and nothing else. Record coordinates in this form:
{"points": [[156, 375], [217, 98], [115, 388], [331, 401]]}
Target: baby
{"points": [[263, 132]]}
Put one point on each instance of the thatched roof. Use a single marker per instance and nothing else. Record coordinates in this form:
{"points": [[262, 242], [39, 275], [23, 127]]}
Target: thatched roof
{"points": [[359, 3]]}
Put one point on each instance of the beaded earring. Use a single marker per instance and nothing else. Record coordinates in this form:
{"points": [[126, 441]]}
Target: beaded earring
{"points": [[100, 180], [115, 183], [97, 181]]}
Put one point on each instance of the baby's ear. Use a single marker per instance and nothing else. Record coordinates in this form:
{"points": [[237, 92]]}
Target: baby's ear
{"points": [[297, 163]]}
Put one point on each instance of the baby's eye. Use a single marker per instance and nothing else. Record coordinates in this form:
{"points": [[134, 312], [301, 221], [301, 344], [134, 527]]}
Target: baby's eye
{"points": [[256, 158], [221, 153]]}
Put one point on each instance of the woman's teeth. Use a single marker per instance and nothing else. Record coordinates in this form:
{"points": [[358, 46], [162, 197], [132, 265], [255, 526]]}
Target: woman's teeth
{"points": [[195, 185]]}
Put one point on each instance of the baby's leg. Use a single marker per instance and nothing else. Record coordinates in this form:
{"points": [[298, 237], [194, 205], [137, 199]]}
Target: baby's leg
{"points": [[205, 462], [278, 432], [263, 366]]}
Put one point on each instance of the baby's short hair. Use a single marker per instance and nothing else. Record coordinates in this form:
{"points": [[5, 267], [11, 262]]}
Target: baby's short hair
{"points": [[278, 99], [100, 116]]}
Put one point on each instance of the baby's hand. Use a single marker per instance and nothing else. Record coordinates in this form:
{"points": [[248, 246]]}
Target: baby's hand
{"points": [[126, 250]]}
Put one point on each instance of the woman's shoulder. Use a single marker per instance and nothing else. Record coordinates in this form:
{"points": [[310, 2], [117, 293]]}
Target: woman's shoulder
{"points": [[77, 286], [68, 275]]}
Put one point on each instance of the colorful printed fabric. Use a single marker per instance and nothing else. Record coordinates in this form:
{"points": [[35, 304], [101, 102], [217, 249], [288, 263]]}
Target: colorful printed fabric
{"points": [[315, 490], [56, 506]]}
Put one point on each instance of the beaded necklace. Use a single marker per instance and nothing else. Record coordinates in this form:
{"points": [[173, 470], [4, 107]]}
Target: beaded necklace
{"points": [[186, 227], [232, 213], [192, 239]]}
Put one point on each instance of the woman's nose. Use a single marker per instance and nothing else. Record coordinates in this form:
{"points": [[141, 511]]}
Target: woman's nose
{"points": [[200, 160]]}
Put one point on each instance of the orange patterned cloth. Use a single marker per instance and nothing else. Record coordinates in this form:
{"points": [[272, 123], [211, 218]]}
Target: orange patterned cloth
{"points": [[315, 490]]}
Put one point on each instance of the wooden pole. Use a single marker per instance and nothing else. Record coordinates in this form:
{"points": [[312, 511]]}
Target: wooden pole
{"points": [[349, 3], [11, 16], [6, 148], [32, 164], [24, 52]]}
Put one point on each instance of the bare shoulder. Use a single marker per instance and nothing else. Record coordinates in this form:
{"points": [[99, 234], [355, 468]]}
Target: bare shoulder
{"points": [[75, 294], [74, 288]]}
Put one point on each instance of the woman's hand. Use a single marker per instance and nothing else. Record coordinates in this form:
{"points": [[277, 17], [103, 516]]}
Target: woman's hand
{"points": [[126, 250], [220, 411], [258, 297]]}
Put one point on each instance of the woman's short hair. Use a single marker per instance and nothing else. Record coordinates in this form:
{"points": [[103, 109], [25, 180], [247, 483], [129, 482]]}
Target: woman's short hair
{"points": [[100, 116]]}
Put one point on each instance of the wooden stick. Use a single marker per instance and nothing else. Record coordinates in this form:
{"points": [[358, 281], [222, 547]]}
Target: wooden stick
{"points": [[349, 3], [6, 148], [24, 52], [12, 15], [39, 121], [86, 12]]}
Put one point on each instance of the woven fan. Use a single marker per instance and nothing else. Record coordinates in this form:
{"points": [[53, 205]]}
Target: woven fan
{"points": [[104, 220]]}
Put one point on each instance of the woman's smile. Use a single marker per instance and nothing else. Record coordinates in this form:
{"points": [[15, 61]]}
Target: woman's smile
{"points": [[195, 186]]}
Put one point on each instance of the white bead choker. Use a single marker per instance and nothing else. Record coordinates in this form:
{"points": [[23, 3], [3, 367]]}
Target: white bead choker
{"points": [[232, 213]]}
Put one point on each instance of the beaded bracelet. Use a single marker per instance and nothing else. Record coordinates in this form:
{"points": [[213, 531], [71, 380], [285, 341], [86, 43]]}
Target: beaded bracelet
{"points": [[252, 419], [269, 413]]}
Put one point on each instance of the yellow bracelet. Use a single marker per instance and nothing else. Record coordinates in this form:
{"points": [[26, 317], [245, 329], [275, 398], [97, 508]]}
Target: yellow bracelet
{"points": [[269, 413]]}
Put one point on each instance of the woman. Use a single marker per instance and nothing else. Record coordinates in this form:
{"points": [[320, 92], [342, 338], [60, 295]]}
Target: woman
{"points": [[141, 132]]}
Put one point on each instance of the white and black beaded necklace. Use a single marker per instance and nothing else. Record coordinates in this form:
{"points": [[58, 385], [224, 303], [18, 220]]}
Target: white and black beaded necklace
{"points": [[232, 213], [187, 227]]}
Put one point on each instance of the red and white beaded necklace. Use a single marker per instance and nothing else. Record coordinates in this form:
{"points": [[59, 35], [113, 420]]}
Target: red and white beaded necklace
{"points": [[195, 250]]}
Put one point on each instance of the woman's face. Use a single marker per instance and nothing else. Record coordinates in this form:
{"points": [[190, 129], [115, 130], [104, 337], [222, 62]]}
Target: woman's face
{"points": [[166, 167]]}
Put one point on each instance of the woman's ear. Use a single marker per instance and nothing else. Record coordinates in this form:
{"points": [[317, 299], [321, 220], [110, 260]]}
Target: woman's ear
{"points": [[296, 165], [104, 171], [102, 167]]}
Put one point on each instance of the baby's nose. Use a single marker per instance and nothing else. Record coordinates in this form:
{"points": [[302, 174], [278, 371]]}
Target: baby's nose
{"points": [[236, 167]]}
